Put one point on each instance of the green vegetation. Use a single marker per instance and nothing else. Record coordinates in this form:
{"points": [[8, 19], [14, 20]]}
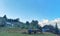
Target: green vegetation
{"points": [[14, 27], [17, 32]]}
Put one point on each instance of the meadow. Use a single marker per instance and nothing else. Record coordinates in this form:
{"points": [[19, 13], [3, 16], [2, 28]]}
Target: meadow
{"points": [[17, 32]]}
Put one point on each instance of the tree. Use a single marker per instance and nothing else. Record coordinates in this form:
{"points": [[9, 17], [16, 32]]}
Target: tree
{"points": [[27, 25], [34, 24], [56, 29], [5, 16], [16, 20], [39, 28]]}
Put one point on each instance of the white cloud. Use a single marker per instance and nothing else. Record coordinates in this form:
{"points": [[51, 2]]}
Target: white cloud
{"points": [[52, 22], [43, 22]]}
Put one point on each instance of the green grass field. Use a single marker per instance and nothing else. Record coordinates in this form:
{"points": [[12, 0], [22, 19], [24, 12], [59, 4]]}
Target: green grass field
{"points": [[17, 32]]}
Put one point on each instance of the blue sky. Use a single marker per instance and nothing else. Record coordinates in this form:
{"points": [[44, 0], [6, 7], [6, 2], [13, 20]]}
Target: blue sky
{"points": [[28, 10]]}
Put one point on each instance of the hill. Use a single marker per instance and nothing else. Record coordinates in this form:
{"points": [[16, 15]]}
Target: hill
{"points": [[17, 32]]}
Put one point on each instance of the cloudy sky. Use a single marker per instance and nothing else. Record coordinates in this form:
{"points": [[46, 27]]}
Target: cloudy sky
{"points": [[50, 22], [45, 11]]}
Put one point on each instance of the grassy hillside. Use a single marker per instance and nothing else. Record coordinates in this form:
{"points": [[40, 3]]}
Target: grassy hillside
{"points": [[17, 32]]}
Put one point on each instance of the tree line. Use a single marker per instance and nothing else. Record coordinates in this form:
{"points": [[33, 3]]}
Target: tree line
{"points": [[32, 25]]}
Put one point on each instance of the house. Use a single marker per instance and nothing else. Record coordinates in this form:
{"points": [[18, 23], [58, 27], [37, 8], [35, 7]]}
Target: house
{"points": [[13, 23], [48, 28], [4, 21]]}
